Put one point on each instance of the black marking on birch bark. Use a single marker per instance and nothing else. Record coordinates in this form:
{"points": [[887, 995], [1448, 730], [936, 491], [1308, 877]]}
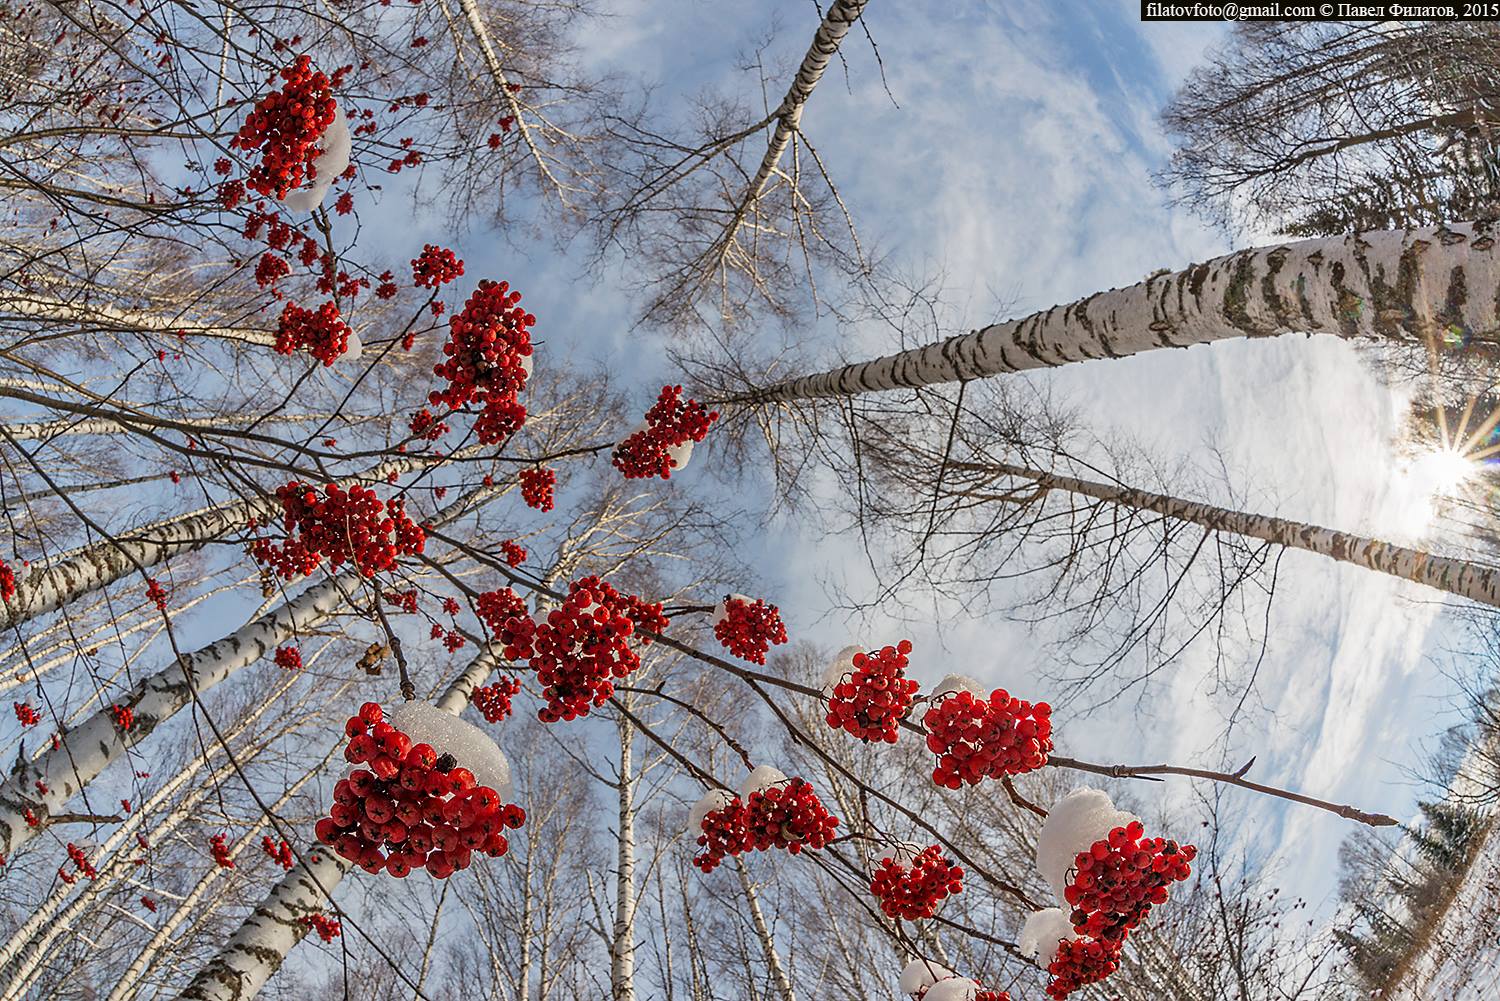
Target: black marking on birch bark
{"points": [[1275, 260], [1197, 275], [1347, 305], [1452, 313], [1236, 301]]}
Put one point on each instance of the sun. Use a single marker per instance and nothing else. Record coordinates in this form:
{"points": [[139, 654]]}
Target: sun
{"points": [[1444, 471]]}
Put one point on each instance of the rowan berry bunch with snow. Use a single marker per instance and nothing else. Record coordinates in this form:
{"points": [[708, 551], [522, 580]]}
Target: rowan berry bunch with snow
{"points": [[514, 553], [666, 440], [281, 853], [872, 697], [413, 807], [322, 332], [748, 629], [493, 701], [537, 485], [1118, 879], [218, 847], [583, 645], [912, 887], [722, 829], [435, 266], [341, 527], [1080, 962], [925, 980], [977, 738], [488, 359], [26, 714], [327, 928], [289, 658], [769, 811], [285, 126]]}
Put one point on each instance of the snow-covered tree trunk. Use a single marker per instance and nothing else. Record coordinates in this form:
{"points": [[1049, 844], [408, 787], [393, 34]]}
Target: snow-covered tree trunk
{"points": [[88, 749], [257, 950], [1458, 577], [763, 932], [622, 944], [1401, 286], [112, 425]]}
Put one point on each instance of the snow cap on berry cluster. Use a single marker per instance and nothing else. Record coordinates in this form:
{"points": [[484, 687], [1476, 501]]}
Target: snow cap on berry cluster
{"points": [[722, 608], [901, 853], [714, 799], [959, 683], [1043, 931], [953, 989], [1073, 824], [354, 348], [841, 665], [921, 974], [448, 734], [333, 161], [760, 779]]}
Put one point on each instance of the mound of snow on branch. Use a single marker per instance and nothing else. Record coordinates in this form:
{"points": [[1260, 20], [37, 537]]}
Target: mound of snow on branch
{"points": [[843, 664], [959, 683], [336, 144], [1073, 824], [714, 799], [448, 734], [952, 989], [761, 779], [1043, 931], [921, 974]]}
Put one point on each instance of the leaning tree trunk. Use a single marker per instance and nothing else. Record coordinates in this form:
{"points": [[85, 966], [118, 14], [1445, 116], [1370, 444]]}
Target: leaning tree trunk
{"points": [[260, 946], [97, 742], [91, 567], [1457, 577], [1404, 286]]}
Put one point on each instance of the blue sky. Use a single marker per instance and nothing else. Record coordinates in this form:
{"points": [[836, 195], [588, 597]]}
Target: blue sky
{"points": [[1014, 156]]}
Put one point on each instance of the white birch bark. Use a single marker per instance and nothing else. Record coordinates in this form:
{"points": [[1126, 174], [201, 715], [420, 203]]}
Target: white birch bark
{"points": [[89, 568], [89, 748], [1457, 577], [44, 913], [622, 944], [100, 316], [763, 932], [257, 950], [63, 427], [1407, 285]]}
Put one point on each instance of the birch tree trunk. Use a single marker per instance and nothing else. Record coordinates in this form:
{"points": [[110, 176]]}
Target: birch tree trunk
{"points": [[1401, 286], [622, 946], [763, 932], [90, 747], [1457, 577], [257, 950]]}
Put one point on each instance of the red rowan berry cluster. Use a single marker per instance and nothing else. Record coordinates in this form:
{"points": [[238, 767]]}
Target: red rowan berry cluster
{"points": [[270, 269], [1116, 882], [281, 853], [435, 266], [514, 553], [784, 815], [493, 701], [322, 332], [913, 891], [496, 608], [536, 488], [670, 424], [7, 582], [339, 526], [871, 701], [81, 861], [975, 738], [749, 629], [149, 904], [26, 714], [582, 645], [123, 716], [488, 358], [326, 927], [1080, 962], [289, 658], [156, 594], [286, 125], [218, 847], [411, 809]]}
